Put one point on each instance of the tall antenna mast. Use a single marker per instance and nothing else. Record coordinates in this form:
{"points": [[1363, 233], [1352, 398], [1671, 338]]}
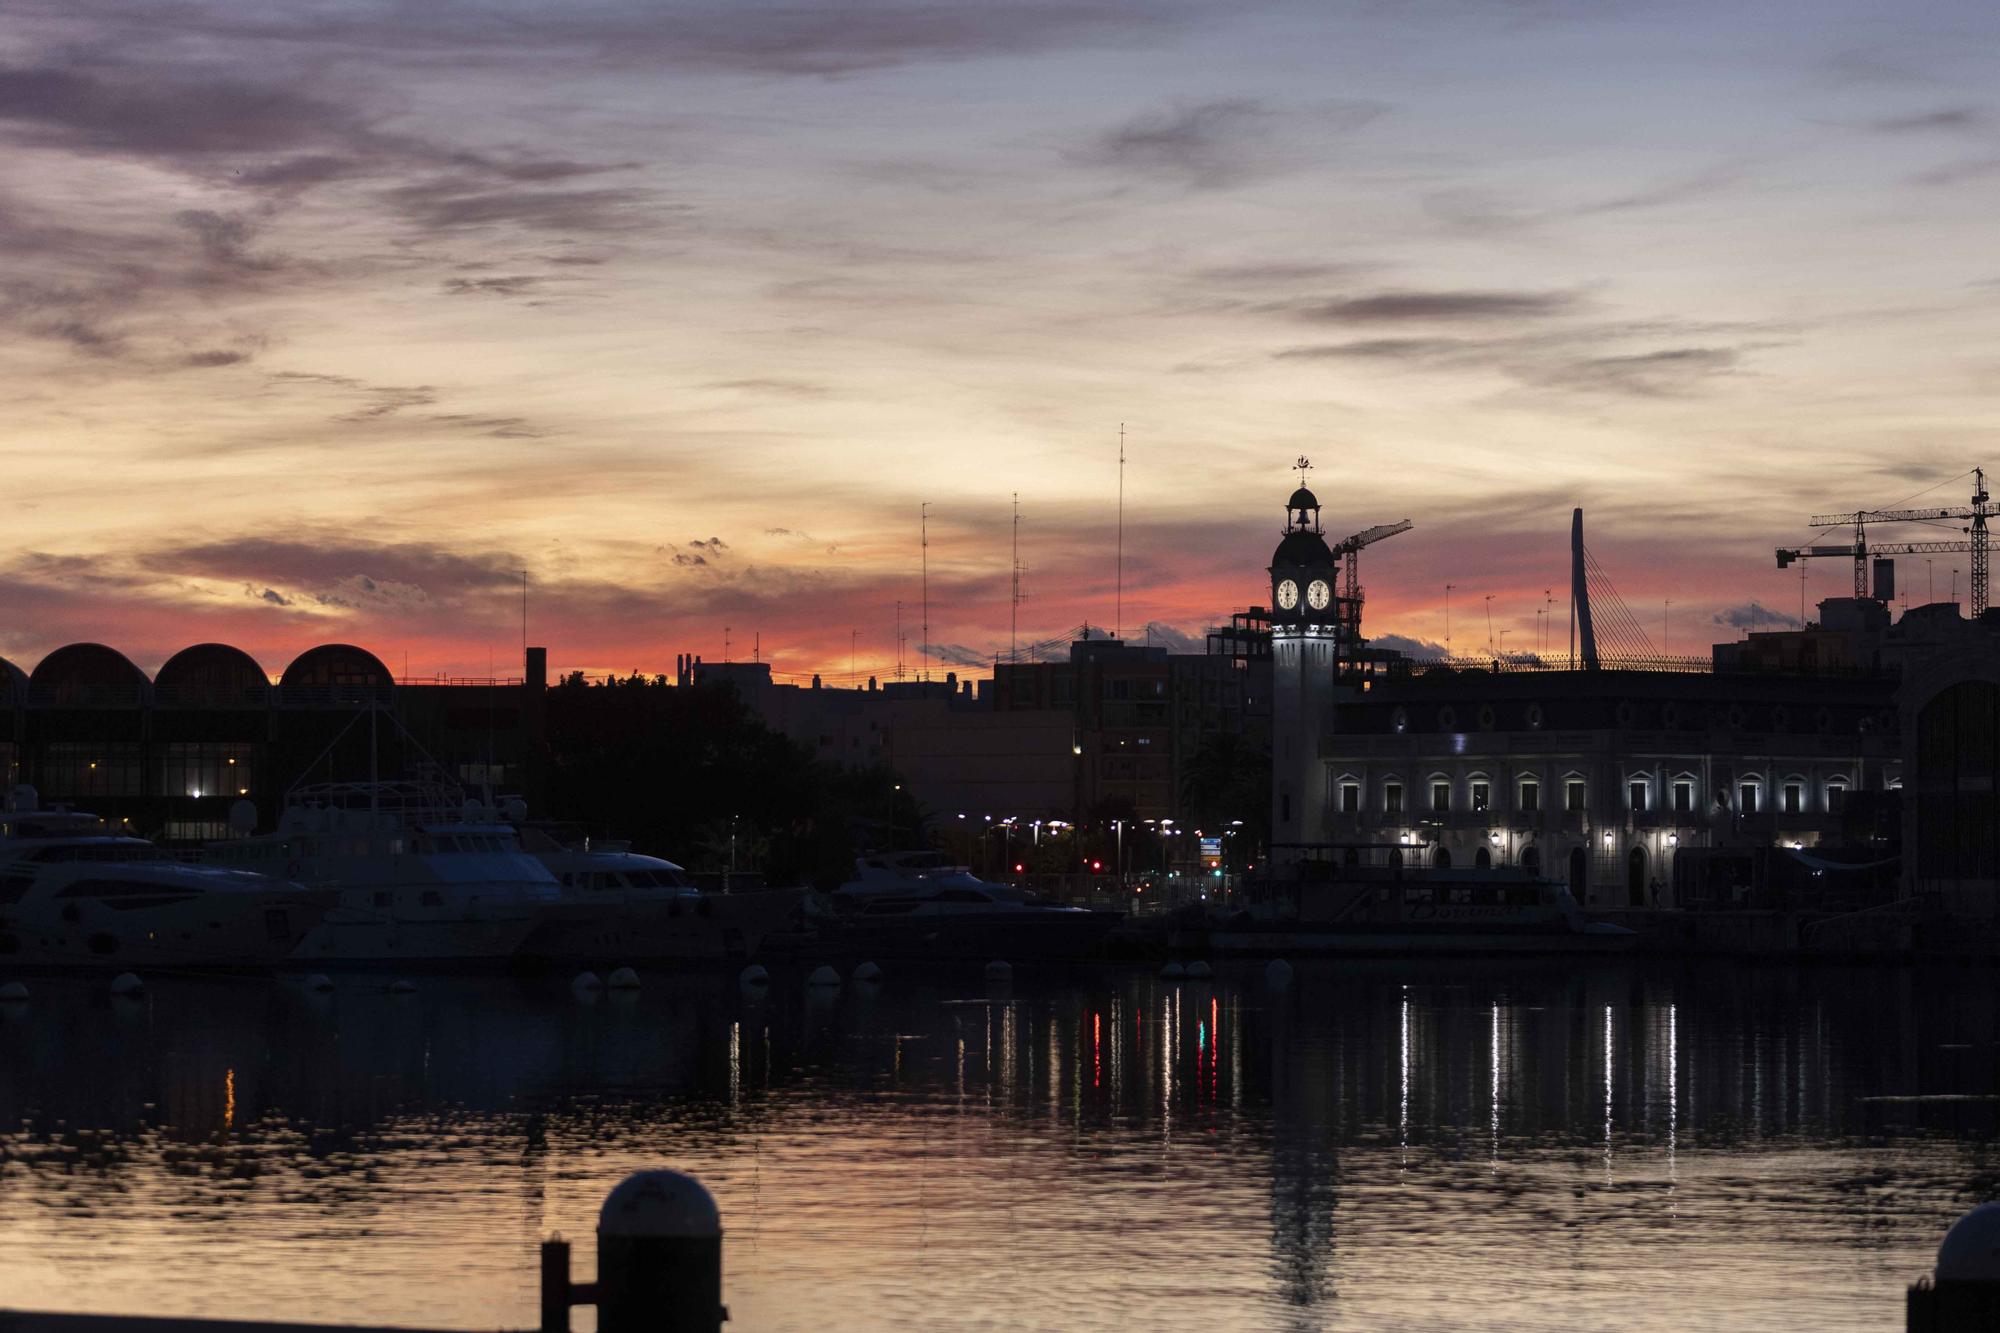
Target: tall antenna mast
{"points": [[1118, 612], [924, 540], [1014, 606], [899, 641], [524, 614]]}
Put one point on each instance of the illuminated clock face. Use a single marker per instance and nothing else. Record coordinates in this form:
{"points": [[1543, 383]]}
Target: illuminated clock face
{"points": [[1318, 594], [1288, 595]]}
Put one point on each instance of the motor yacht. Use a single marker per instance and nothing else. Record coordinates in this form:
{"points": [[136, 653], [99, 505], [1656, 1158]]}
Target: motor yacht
{"points": [[422, 875], [644, 908], [1319, 905], [72, 892], [919, 904], [901, 873]]}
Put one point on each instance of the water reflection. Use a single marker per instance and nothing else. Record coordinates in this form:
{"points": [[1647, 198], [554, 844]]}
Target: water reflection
{"points": [[1372, 1146]]}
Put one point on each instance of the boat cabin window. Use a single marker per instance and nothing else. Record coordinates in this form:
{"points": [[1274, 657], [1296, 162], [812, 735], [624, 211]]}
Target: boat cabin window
{"points": [[111, 890]]}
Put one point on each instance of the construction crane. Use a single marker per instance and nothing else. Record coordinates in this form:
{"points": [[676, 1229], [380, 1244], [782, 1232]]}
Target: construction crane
{"points": [[1348, 641], [1349, 548], [1859, 550]]}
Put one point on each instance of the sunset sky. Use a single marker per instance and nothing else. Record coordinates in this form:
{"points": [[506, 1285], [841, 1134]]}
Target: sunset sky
{"points": [[325, 321]]}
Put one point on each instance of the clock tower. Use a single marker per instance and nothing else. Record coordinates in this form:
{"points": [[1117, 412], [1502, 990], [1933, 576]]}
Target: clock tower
{"points": [[1304, 641]]}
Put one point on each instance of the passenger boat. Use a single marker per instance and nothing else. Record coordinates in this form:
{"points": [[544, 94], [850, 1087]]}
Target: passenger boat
{"points": [[73, 893], [899, 873], [1319, 905], [919, 904], [422, 875], [642, 908]]}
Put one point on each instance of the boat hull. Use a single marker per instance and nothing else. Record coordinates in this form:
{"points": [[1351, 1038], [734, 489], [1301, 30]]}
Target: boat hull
{"points": [[247, 931], [712, 927], [1404, 939], [1009, 935], [347, 938]]}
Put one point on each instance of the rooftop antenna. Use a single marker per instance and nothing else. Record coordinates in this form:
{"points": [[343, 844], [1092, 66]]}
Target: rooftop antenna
{"points": [[1118, 609], [924, 541], [899, 641], [725, 643], [757, 646], [1014, 605], [524, 613], [1447, 617]]}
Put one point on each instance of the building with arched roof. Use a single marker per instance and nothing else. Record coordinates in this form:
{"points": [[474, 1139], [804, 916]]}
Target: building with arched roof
{"points": [[168, 757], [336, 675], [88, 675], [211, 675]]}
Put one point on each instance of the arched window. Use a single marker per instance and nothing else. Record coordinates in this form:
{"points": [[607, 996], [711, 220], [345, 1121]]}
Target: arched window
{"points": [[1441, 857], [1635, 877], [1531, 860], [1482, 859]]}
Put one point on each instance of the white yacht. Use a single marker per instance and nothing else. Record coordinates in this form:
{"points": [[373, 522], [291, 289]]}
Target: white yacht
{"points": [[73, 892], [921, 904], [642, 907], [423, 875], [903, 873]]}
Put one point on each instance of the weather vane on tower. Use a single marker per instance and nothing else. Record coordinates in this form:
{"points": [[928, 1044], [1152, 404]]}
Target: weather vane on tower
{"points": [[1303, 466]]}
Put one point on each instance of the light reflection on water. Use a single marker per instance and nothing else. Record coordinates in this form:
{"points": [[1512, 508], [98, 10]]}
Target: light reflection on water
{"points": [[1377, 1146]]}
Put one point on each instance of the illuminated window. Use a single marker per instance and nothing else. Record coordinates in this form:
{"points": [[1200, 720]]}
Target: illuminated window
{"points": [[1350, 798], [1440, 797], [1573, 796], [1747, 801], [1684, 798], [1836, 797], [1482, 795], [1637, 792], [1392, 798], [1795, 798], [1531, 797]]}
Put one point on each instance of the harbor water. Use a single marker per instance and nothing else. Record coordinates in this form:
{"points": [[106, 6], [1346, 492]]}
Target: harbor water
{"points": [[1370, 1146]]}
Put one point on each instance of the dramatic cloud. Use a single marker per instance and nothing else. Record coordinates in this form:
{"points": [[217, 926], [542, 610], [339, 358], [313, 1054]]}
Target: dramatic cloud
{"points": [[1753, 616], [1159, 634], [1947, 118], [1677, 370], [1214, 145], [458, 203], [150, 112], [958, 654], [356, 288], [1402, 307], [515, 285]]}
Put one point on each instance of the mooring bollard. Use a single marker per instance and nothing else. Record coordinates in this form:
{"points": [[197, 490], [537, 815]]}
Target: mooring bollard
{"points": [[1965, 1294], [659, 1261]]}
